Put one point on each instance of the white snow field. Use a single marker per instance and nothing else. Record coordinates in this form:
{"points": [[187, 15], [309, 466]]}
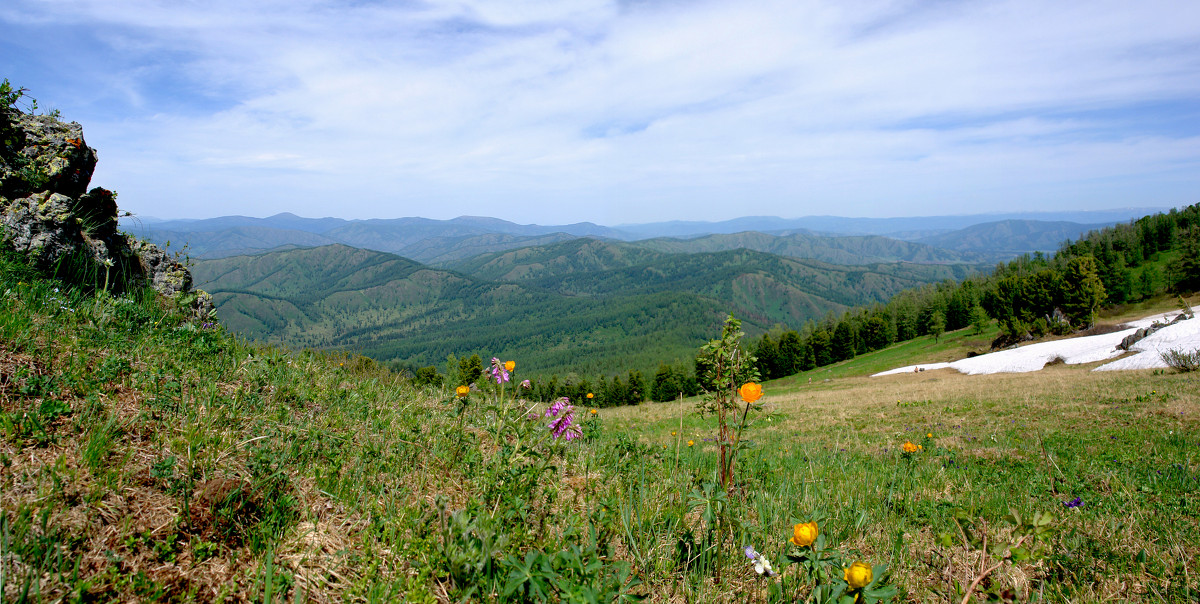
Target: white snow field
{"points": [[1183, 335]]}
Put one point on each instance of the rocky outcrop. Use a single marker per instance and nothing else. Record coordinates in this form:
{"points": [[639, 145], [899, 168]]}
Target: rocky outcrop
{"points": [[1143, 332], [45, 154], [48, 214]]}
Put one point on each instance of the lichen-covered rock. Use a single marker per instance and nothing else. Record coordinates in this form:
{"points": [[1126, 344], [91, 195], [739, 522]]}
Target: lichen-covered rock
{"points": [[42, 227], [46, 155], [165, 274]]}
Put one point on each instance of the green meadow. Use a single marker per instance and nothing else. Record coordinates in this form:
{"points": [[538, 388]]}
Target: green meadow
{"points": [[147, 456]]}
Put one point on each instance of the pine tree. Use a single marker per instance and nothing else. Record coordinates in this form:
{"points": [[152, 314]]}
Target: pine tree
{"points": [[791, 353], [1082, 290], [1185, 270], [936, 325]]}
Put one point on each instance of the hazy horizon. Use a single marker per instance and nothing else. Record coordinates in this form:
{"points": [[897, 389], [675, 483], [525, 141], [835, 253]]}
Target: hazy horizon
{"points": [[1133, 212]]}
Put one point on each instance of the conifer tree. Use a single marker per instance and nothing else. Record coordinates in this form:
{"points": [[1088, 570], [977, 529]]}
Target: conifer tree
{"points": [[1082, 289], [1185, 271]]}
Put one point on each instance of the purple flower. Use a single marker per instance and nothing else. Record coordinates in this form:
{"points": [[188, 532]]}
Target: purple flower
{"points": [[563, 425], [749, 551], [499, 373], [557, 406], [1074, 503]]}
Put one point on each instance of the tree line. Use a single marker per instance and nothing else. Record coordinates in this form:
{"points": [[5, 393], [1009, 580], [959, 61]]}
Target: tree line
{"points": [[1029, 296]]}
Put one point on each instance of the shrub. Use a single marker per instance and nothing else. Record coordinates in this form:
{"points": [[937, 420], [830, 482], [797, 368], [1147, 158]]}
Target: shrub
{"points": [[1182, 360]]}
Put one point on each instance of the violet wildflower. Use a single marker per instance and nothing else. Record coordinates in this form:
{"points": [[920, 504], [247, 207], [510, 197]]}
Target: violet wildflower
{"points": [[499, 373], [563, 425], [526, 384], [1074, 503], [557, 406]]}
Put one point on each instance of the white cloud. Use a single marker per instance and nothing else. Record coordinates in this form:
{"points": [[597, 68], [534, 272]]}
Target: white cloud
{"points": [[586, 110]]}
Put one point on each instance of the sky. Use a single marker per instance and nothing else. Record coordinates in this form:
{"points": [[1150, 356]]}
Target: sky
{"points": [[621, 112]]}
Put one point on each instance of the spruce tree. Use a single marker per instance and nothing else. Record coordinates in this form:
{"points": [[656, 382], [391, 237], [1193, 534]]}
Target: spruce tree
{"points": [[1082, 290]]}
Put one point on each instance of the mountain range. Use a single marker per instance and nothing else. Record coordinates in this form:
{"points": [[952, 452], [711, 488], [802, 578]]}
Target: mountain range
{"points": [[972, 239], [562, 298]]}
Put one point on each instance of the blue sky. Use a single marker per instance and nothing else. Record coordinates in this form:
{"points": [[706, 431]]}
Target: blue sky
{"points": [[621, 112]]}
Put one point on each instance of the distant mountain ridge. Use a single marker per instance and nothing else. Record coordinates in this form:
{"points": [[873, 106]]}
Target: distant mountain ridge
{"points": [[444, 242], [900, 227], [1012, 237], [848, 249]]}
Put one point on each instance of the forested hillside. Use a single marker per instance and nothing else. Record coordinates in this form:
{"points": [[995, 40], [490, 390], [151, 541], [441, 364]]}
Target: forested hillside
{"points": [[850, 249], [1008, 238], [578, 306], [1030, 296]]}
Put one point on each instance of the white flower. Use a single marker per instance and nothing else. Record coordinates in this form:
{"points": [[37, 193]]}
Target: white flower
{"points": [[762, 566]]}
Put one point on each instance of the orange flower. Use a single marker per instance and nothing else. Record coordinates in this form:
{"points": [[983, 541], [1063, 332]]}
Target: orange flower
{"points": [[590, 395], [593, 411], [909, 447], [510, 365], [462, 391], [691, 442], [804, 534], [750, 392]]}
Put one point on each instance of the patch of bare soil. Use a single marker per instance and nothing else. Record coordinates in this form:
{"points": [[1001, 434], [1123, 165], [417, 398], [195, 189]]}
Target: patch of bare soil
{"points": [[114, 530]]}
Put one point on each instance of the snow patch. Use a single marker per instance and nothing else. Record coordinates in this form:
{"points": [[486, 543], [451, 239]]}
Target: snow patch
{"points": [[1184, 335], [1073, 351]]}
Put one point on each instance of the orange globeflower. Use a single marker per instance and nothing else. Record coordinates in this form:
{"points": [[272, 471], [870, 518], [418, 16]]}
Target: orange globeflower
{"points": [[909, 447], [593, 412], [589, 395], [804, 534], [462, 391], [750, 392], [510, 365]]}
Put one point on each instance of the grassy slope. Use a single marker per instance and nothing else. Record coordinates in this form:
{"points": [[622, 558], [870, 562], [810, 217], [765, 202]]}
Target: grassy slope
{"points": [[143, 457]]}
